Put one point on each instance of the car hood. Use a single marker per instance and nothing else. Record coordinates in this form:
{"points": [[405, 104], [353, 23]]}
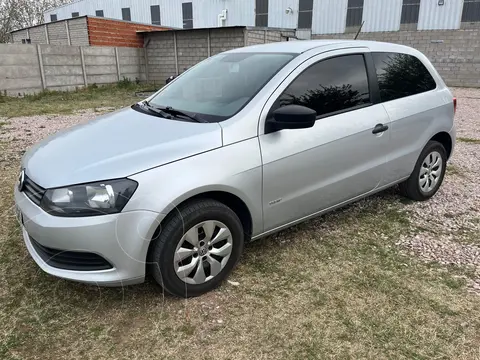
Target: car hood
{"points": [[115, 146]]}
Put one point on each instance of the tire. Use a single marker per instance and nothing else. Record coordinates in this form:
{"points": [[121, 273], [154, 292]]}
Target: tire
{"points": [[411, 188], [196, 217]]}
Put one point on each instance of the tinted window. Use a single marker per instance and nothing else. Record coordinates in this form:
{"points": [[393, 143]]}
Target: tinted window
{"points": [[220, 86], [53, 17], [99, 13], [187, 13], [471, 11], [126, 14], [75, 14], [401, 75], [331, 85], [410, 11], [155, 13], [305, 10], [354, 13], [261, 13]]}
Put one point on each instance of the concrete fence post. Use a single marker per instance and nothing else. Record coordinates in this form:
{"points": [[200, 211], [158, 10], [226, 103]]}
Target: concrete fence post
{"points": [[46, 34], [84, 68], [117, 60], [209, 47], [175, 50], [147, 77], [67, 29], [40, 64]]}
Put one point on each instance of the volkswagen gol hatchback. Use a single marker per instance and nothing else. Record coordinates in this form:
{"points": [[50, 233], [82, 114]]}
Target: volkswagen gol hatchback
{"points": [[244, 144]]}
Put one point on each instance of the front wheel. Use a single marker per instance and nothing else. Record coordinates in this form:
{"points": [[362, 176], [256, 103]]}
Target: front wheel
{"points": [[197, 248], [428, 174]]}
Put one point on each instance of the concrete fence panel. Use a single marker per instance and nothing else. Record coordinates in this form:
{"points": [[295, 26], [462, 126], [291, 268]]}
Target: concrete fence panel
{"points": [[26, 69], [19, 69]]}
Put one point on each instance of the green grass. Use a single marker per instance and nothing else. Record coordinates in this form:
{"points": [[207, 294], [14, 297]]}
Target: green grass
{"points": [[333, 287], [468, 140], [55, 102]]}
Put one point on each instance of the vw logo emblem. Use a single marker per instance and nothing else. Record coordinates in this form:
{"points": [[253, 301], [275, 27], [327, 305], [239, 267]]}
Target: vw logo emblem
{"points": [[21, 180]]}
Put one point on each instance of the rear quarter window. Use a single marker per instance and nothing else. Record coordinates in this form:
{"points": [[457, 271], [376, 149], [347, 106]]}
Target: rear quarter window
{"points": [[401, 75]]}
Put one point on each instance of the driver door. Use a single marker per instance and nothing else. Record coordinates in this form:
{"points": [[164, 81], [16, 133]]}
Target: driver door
{"points": [[309, 170]]}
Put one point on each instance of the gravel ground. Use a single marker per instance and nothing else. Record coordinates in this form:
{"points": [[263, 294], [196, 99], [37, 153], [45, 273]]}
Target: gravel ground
{"points": [[448, 226], [445, 229]]}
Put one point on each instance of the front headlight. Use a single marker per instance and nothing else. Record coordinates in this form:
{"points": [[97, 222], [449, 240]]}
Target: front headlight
{"points": [[99, 198]]}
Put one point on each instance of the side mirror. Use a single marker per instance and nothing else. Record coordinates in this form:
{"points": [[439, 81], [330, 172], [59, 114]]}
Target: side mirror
{"points": [[292, 117]]}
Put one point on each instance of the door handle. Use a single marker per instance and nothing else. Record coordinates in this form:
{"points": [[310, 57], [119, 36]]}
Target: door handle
{"points": [[379, 128]]}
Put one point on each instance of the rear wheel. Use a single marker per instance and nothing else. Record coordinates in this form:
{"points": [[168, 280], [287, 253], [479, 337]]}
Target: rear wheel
{"points": [[197, 248], [428, 174]]}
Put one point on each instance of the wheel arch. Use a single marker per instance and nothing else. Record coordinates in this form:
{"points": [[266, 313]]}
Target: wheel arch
{"points": [[445, 139], [226, 196]]}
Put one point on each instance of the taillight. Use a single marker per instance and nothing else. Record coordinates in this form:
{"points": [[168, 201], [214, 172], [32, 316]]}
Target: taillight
{"points": [[454, 105]]}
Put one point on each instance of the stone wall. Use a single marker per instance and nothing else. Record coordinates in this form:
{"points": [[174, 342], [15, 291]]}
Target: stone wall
{"points": [[454, 53]]}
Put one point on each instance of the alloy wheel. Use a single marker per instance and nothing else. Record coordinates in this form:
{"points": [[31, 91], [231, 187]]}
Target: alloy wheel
{"points": [[203, 252], [430, 172]]}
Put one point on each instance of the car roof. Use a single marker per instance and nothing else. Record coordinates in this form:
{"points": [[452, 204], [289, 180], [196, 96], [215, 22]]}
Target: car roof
{"points": [[301, 46]]}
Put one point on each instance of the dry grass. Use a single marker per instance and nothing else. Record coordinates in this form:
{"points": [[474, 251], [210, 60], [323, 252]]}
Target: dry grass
{"points": [[334, 287]]}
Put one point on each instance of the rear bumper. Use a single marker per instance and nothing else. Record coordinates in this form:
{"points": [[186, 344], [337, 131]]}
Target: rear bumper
{"points": [[453, 136], [121, 239]]}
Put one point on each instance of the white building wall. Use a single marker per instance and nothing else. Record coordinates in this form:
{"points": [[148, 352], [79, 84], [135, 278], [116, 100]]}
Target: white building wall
{"points": [[277, 16], [329, 16], [435, 17], [382, 15], [205, 12]]}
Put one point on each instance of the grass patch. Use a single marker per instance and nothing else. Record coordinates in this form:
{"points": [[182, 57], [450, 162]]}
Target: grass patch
{"points": [[454, 170], [56, 102], [468, 140], [332, 287]]}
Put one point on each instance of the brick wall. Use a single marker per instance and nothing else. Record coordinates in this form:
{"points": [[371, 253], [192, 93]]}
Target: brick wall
{"points": [[38, 35], [57, 33], [161, 56], [255, 37], [192, 47], [454, 53], [105, 32], [78, 32], [18, 36], [226, 39]]}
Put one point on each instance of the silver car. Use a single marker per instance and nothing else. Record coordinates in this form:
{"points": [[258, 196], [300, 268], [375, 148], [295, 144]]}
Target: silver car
{"points": [[242, 145]]}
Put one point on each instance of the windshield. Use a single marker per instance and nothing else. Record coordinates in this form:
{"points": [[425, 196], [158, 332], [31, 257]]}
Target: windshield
{"points": [[219, 87]]}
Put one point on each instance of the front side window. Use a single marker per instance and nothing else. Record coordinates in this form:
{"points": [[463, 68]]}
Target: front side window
{"points": [[220, 86], [330, 86], [401, 75]]}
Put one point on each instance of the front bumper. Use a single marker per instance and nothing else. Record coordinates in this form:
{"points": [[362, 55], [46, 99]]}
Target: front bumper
{"points": [[121, 239]]}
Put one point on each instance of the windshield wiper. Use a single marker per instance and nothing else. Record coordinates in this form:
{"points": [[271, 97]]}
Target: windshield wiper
{"points": [[174, 112], [155, 110]]}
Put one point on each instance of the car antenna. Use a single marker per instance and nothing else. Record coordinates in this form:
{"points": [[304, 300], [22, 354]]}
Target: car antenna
{"points": [[358, 32]]}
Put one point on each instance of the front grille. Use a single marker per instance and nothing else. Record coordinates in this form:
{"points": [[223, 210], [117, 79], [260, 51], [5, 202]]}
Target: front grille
{"points": [[71, 260], [33, 191]]}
